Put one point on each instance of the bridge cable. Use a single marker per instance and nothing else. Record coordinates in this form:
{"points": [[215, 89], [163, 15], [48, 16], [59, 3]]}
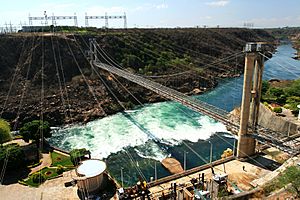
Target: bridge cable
{"points": [[58, 78], [198, 69], [2, 174], [230, 144], [64, 79], [85, 192], [197, 59], [198, 155], [279, 64], [179, 47], [143, 104], [14, 76], [285, 61], [128, 153], [207, 105], [83, 76]]}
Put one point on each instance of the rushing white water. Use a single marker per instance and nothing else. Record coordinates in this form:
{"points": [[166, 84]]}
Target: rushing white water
{"points": [[165, 121]]}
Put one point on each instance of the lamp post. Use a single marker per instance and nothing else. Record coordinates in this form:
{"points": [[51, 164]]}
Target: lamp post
{"points": [[210, 157]]}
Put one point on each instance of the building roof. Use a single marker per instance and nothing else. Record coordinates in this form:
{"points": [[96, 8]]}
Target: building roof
{"points": [[90, 168]]}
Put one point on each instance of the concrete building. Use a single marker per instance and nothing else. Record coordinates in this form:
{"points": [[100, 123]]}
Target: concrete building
{"points": [[90, 176]]}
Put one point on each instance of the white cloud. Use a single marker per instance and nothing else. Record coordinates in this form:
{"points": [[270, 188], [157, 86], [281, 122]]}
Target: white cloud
{"points": [[220, 3]]}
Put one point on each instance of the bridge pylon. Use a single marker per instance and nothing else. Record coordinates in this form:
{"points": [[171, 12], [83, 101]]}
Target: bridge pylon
{"points": [[254, 65]]}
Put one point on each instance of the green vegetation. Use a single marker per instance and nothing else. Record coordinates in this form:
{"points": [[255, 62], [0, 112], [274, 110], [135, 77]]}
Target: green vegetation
{"points": [[286, 95], [4, 131], [41, 176], [14, 155], [77, 155], [289, 179], [37, 131], [277, 110], [60, 169], [60, 164], [38, 177], [60, 160]]}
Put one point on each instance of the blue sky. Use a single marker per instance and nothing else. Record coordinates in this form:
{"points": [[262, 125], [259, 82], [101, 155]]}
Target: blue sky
{"points": [[160, 13]]}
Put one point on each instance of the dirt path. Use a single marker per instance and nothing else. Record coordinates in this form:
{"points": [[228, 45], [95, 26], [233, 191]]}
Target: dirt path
{"points": [[46, 162], [50, 190]]}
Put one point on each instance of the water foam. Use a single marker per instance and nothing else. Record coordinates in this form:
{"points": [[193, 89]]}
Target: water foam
{"points": [[111, 134]]}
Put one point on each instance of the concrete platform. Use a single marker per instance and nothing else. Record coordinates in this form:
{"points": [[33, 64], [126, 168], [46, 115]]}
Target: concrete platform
{"points": [[241, 176]]}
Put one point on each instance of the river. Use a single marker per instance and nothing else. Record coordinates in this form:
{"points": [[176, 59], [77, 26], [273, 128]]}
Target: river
{"points": [[124, 141]]}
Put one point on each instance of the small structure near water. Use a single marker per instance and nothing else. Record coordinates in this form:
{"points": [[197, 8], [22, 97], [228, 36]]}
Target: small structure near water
{"points": [[90, 175]]}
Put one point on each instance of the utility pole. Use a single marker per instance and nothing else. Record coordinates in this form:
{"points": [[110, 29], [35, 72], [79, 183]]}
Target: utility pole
{"points": [[122, 178], [46, 18], [155, 171], [184, 160], [125, 21], [86, 20], [233, 150], [75, 20], [106, 20], [254, 65], [210, 155]]}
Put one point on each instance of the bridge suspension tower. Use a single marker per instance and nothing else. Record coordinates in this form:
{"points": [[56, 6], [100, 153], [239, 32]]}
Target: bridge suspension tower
{"points": [[254, 66]]}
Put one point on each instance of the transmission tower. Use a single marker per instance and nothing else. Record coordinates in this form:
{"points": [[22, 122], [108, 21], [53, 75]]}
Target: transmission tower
{"points": [[106, 18], [53, 19]]}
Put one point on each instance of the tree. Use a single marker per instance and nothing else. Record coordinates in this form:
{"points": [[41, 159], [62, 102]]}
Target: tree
{"points": [[291, 175], [132, 61], [13, 154], [265, 87], [4, 131], [38, 177], [78, 154], [36, 130], [277, 92], [60, 169]]}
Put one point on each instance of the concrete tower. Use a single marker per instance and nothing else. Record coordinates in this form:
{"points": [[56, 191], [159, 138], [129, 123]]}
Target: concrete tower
{"points": [[254, 65]]}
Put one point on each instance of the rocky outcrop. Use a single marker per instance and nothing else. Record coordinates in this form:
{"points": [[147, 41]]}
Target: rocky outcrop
{"points": [[268, 119], [172, 165]]}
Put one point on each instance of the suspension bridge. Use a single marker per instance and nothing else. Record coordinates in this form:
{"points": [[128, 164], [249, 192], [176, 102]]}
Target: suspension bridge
{"points": [[261, 134]]}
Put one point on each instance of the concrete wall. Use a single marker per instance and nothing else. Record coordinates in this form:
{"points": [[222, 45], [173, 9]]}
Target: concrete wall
{"points": [[268, 119]]}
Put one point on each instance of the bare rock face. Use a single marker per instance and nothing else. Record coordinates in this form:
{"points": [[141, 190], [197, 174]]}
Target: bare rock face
{"points": [[172, 165]]}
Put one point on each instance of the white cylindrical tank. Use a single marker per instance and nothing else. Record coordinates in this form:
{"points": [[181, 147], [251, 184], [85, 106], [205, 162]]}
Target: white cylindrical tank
{"points": [[90, 175]]}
